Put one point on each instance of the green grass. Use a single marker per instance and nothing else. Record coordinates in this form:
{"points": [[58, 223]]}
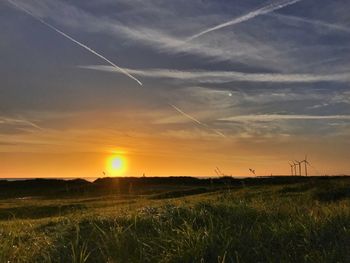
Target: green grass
{"points": [[299, 222]]}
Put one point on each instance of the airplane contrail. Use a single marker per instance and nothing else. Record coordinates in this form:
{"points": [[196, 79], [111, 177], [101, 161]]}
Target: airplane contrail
{"points": [[75, 41], [219, 133], [260, 11], [185, 114], [195, 120]]}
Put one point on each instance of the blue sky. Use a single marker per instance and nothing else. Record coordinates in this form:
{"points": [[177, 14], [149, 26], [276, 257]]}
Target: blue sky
{"points": [[277, 76]]}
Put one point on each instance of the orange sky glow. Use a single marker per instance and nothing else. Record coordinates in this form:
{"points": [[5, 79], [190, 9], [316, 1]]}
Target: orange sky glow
{"points": [[173, 88], [82, 152]]}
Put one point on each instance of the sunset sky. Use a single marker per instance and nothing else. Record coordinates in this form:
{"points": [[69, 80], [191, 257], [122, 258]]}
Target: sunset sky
{"points": [[234, 84]]}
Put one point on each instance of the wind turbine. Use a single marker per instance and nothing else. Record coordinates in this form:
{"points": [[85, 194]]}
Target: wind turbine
{"points": [[299, 163], [291, 168], [218, 171], [252, 171], [295, 168], [306, 163]]}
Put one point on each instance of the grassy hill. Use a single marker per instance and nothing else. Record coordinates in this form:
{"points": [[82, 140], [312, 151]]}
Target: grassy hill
{"points": [[272, 219]]}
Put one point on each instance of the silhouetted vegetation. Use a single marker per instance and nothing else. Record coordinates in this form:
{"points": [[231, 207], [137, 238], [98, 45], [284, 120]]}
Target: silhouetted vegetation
{"points": [[145, 185]]}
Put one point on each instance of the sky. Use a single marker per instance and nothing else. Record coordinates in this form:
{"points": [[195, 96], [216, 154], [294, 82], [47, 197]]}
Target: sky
{"points": [[234, 84]]}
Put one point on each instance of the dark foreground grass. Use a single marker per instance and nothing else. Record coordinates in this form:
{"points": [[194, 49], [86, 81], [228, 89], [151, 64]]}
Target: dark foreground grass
{"points": [[306, 222]]}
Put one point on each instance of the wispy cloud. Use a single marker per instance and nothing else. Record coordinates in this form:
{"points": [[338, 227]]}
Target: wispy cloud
{"points": [[234, 48], [248, 47], [279, 117], [119, 69], [314, 22], [18, 121], [261, 11], [228, 76]]}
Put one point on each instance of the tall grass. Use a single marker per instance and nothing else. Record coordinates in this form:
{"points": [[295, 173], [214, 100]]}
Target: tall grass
{"points": [[258, 224]]}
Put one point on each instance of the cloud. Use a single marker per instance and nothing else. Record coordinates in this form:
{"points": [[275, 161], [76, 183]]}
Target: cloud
{"points": [[228, 76], [261, 11], [18, 121], [314, 22], [236, 48], [261, 54], [280, 117], [136, 24]]}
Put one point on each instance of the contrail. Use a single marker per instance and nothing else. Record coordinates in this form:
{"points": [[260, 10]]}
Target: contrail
{"points": [[261, 11], [75, 41], [195, 120], [185, 114], [219, 133]]}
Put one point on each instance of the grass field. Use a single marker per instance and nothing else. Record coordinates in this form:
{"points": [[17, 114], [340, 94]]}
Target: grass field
{"points": [[300, 220]]}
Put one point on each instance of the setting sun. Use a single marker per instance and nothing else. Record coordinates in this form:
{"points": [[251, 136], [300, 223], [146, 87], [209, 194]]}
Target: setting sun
{"points": [[116, 165]]}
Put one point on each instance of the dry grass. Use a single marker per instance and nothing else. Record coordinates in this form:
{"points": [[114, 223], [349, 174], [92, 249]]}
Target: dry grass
{"points": [[306, 222]]}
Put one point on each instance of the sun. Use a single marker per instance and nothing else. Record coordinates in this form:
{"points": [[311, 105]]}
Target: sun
{"points": [[116, 165]]}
